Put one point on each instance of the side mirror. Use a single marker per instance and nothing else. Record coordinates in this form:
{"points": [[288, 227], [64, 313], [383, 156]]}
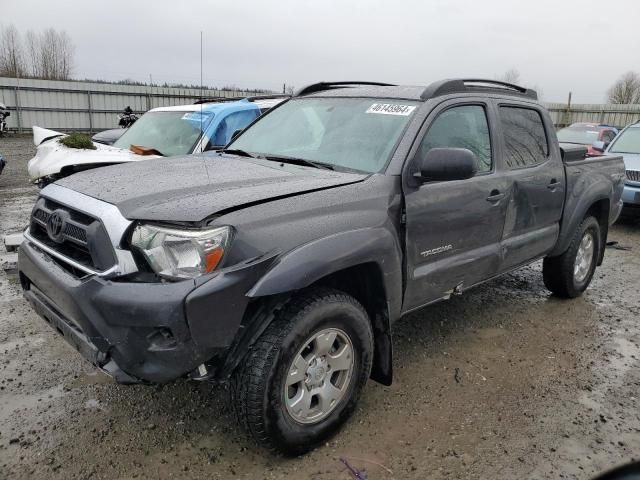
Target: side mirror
{"points": [[445, 164], [236, 133], [599, 145]]}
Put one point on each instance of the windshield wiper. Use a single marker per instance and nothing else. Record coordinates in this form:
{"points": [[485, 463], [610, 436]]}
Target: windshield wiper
{"points": [[237, 151], [299, 161]]}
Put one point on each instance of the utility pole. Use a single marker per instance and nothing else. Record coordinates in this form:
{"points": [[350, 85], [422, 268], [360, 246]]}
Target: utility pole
{"points": [[567, 114]]}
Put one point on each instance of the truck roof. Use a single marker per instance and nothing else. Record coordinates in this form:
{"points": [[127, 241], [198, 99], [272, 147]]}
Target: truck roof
{"points": [[406, 92], [419, 93]]}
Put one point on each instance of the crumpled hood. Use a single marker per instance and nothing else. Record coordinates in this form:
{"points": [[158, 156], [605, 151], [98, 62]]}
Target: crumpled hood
{"points": [[51, 156], [194, 187]]}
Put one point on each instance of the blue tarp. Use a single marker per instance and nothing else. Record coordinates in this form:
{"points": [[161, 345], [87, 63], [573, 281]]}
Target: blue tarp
{"points": [[220, 120]]}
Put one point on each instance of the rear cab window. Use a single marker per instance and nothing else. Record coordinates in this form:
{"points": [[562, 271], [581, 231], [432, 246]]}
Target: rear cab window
{"points": [[525, 138]]}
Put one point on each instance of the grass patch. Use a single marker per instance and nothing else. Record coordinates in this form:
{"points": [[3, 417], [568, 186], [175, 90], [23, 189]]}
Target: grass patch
{"points": [[78, 140]]}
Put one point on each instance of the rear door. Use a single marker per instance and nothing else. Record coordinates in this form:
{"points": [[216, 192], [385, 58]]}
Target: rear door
{"points": [[535, 183], [454, 228]]}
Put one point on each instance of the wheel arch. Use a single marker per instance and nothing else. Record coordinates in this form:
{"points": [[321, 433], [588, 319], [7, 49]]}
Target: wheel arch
{"points": [[371, 273], [595, 201], [600, 210], [365, 283]]}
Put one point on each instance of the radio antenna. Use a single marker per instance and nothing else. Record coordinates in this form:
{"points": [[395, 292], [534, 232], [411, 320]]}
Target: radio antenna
{"points": [[201, 90], [202, 135]]}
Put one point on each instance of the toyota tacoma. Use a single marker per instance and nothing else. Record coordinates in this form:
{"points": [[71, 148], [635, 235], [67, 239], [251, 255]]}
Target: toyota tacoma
{"points": [[278, 265]]}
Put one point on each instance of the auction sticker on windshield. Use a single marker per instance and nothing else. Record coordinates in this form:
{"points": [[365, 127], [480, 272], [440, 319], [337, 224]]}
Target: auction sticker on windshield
{"points": [[391, 109]]}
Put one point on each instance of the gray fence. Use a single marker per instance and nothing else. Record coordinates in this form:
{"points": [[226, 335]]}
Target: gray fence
{"points": [[616, 115], [87, 106]]}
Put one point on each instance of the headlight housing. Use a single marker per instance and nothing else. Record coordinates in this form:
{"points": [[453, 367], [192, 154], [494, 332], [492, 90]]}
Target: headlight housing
{"points": [[177, 254]]}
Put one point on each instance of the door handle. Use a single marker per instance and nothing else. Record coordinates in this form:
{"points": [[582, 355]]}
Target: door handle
{"points": [[495, 196], [553, 184]]}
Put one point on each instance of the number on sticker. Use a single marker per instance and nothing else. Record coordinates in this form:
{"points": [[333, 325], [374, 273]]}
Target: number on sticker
{"points": [[391, 109]]}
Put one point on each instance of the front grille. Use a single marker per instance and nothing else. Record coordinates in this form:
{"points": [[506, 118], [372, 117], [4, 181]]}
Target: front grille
{"points": [[633, 175], [72, 231], [82, 238]]}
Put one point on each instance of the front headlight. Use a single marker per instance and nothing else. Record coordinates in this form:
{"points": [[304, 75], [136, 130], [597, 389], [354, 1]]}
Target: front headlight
{"points": [[178, 254]]}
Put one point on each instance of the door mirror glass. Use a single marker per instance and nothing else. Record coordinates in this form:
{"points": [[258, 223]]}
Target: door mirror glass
{"points": [[599, 145], [445, 164]]}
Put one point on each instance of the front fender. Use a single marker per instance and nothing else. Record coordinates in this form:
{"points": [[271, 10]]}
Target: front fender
{"points": [[309, 263], [315, 260]]}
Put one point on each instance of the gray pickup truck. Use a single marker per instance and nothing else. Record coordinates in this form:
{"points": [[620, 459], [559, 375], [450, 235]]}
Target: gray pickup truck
{"points": [[279, 265]]}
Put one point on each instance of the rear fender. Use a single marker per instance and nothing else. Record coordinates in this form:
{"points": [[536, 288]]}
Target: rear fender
{"points": [[577, 207]]}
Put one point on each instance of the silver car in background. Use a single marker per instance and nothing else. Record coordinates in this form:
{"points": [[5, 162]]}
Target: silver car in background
{"points": [[627, 144]]}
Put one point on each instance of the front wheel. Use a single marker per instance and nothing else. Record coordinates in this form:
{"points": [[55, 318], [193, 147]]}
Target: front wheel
{"points": [[301, 380], [569, 274]]}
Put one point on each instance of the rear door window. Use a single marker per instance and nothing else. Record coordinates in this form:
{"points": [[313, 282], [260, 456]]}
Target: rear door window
{"points": [[525, 138]]}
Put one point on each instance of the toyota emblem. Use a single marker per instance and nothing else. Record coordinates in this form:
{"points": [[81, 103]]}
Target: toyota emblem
{"points": [[55, 225]]}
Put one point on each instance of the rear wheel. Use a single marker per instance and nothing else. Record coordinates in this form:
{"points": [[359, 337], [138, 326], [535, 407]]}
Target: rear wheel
{"points": [[301, 380], [569, 274]]}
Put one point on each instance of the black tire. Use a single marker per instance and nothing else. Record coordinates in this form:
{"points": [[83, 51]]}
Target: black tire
{"points": [[258, 388], [558, 272]]}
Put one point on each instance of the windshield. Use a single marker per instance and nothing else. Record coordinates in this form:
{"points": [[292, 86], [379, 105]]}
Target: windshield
{"points": [[627, 142], [583, 136], [354, 133], [170, 133]]}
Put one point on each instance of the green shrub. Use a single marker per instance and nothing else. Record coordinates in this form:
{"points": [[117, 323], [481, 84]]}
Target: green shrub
{"points": [[78, 140]]}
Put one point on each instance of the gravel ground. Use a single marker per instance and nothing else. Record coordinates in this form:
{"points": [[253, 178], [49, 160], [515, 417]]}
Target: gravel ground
{"points": [[503, 382]]}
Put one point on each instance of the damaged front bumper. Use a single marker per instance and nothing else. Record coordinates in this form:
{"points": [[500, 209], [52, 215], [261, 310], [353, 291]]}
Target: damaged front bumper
{"points": [[141, 332]]}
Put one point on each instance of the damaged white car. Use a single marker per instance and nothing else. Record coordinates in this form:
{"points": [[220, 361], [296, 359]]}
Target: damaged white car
{"points": [[161, 132]]}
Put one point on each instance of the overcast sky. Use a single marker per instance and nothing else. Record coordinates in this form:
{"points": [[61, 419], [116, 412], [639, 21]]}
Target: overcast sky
{"points": [[557, 46]]}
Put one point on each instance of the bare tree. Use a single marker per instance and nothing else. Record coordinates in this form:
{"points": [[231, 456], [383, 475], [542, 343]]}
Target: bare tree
{"points": [[67, 53], [12, 60], [510, 76], [32, 51], [50, 54], [626, 89]]}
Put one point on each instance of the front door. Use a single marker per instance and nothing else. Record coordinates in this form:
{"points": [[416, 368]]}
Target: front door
{"points": [[453, 228]]}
